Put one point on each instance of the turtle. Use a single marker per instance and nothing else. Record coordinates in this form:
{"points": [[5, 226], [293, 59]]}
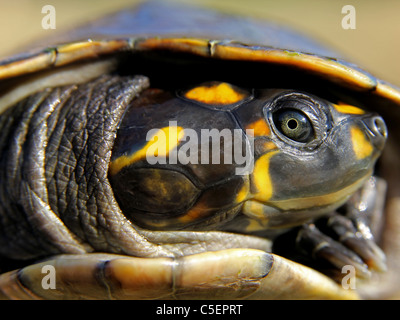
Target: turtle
{"points": [[172, 152]]}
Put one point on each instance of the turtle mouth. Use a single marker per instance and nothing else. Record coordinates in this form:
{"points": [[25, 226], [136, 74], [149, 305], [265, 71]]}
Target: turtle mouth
{"points": [[343, 237], [325, 202]]}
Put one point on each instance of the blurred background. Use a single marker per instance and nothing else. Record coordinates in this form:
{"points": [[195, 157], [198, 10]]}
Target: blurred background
{"points": [[374, 45]]}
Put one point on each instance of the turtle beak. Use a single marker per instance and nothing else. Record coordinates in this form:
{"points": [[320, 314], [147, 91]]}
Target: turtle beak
{"points": [[376, 130]]}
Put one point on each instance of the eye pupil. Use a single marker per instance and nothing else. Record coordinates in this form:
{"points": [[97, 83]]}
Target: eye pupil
{"points": [[292, 124]]}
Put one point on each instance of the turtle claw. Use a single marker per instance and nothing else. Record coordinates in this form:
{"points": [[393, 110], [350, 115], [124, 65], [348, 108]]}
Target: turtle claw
{"points": [[330, 244], [342, 230], [323, 248], [379, 261], [370, 253]]}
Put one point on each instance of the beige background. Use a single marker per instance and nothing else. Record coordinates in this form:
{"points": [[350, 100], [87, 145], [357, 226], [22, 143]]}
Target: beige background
{"points": [[374, 45]]}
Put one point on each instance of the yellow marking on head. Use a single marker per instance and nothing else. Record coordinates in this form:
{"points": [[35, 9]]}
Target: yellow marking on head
{"points": [[260, 128], [336, 197], [254, 210], [244, 191], [269, 145], [256, 225], [220, 94], [261, 177], [195, 213], [158, 224], [160, 144], [348, 109], [361, 146]]}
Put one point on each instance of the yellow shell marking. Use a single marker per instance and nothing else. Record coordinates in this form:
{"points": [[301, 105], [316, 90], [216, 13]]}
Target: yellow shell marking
{"points": [[160, 144], [348, 109], [220, 94], [361, 146], [262, 179]]}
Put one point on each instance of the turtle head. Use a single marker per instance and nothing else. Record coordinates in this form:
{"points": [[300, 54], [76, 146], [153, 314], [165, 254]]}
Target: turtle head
{"points": [[315, 156]]}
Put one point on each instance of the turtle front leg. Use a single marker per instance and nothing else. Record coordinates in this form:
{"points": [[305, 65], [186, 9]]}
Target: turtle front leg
{"points": [[341, 239], [224, 274]]}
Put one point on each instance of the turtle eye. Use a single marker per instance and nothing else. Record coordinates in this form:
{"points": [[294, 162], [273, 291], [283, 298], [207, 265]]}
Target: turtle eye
{"points": [[294, 124]]}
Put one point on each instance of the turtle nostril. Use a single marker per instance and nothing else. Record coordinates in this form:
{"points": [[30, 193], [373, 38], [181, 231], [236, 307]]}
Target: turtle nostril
{"points": [[376, 130], [379, 127]]}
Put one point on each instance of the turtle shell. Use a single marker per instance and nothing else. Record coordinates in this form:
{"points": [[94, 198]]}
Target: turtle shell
{"points": [[181, 50]]}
